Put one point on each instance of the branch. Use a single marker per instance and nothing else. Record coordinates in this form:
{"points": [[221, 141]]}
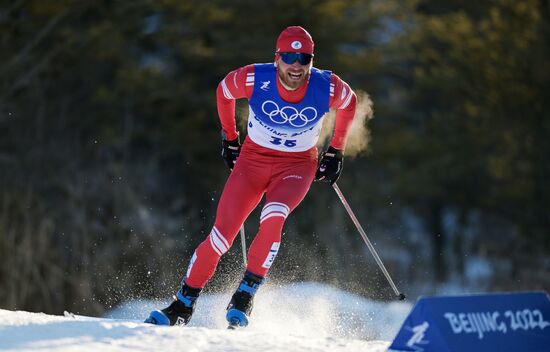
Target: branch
{"points": [[37, 39]]}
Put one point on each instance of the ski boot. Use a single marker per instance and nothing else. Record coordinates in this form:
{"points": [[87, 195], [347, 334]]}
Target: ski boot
{"points": [[240, 306], [180, 311]]}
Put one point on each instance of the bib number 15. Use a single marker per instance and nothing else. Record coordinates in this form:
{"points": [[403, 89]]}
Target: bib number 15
{"points": [[286, 142]]}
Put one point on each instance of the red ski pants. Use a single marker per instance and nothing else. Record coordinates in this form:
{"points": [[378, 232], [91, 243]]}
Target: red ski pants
{"points": [[284, 178]]}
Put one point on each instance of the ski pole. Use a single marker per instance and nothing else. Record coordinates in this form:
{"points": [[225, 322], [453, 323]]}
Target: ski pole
{"points": [[243, 241], [243, 245], [400, 295]]}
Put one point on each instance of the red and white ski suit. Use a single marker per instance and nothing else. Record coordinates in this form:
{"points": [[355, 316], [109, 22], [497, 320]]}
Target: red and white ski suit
{"points": [[283, 176]]}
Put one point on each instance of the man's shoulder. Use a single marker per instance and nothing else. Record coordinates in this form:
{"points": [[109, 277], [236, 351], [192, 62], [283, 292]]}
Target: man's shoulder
{"points": [[320, 70], [337, 81], [324, 75], [246, 69], [267, 66]]}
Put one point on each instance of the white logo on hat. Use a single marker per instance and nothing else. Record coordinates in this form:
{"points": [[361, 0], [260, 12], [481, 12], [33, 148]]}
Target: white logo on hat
{"points": [[296, 45]]}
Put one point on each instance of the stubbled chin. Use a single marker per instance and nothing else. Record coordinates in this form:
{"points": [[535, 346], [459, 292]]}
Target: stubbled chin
{"points": [[294, 82]]}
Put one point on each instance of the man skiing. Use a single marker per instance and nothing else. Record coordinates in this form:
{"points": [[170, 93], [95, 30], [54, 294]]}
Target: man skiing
{"points": [[287, 99]]}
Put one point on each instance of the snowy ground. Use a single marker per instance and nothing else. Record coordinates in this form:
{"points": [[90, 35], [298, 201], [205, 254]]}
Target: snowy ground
{"points": [[302, 317]]}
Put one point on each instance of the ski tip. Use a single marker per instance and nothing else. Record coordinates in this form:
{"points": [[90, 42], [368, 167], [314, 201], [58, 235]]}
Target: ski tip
{"points": [[236, 318], [157, 317], [68, 314], [150, 321], [402, 296], [234, 324]]}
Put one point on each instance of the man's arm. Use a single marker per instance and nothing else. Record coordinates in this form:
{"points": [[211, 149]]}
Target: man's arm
{"points": [[344, 100], [237, 84]]}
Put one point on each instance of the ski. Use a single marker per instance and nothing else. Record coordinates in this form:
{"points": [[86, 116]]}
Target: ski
{"points": [[79, 317], [233, 325]]}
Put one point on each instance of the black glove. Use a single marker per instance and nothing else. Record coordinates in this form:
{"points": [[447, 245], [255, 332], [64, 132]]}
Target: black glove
{"points": [[230, 152], [331, 165]]}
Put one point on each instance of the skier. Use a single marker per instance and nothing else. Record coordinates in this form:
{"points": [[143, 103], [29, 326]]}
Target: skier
{"points": [[278, 158]]}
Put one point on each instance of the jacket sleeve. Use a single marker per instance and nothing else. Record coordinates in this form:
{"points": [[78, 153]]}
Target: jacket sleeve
{"points": [[237, 84], [344, 100]]}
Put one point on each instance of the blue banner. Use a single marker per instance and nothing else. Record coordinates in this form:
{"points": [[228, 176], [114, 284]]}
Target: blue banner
{"points": [[503, 322]]}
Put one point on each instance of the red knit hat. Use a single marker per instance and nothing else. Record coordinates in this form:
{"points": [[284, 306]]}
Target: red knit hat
{"points": [[295, 39]]}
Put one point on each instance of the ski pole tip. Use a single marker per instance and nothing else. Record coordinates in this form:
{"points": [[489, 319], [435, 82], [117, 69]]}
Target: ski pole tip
{"points": [[402, 297]]}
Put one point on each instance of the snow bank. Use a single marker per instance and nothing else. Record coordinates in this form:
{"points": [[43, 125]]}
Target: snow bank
{"points": [[300, 317]]}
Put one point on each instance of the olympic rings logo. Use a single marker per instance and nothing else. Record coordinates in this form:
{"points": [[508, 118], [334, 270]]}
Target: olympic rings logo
{"points": [[289, 114]]}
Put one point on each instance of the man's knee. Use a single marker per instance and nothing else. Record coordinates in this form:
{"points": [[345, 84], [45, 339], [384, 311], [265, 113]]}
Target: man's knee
{"points": [[220, 244], [275, 211]]}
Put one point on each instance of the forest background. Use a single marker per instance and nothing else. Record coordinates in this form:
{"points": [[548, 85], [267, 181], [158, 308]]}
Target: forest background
{"points": [[110, 166]]}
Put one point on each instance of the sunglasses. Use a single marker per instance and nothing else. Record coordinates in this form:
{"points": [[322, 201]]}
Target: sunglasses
{"points": [[290, 58]]}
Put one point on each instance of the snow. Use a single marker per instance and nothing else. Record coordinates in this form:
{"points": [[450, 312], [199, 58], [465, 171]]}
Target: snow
{"points": [[299, 317]]}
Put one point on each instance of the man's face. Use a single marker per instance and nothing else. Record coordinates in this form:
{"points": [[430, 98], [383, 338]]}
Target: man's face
{"points": [[293, 75]]}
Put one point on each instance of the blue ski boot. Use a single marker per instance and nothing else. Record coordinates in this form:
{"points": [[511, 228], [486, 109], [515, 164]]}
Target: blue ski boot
{"points": [[180, 311], [240, 307]]}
